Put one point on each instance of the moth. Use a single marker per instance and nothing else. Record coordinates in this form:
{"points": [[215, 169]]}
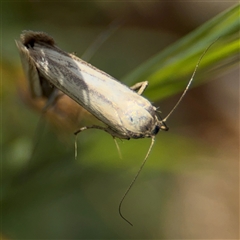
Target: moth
{"points": [[124, 111]]}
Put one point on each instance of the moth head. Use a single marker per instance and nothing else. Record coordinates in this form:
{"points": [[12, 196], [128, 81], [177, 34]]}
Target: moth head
{"points": [[162, 126]]}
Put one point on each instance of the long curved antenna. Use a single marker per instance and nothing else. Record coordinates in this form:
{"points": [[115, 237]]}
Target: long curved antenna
{"points": [[133, 181], [189, 83]]}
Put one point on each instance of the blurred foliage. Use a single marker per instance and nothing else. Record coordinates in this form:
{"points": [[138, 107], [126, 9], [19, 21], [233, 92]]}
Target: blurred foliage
{"points": [[167, 71], [45, 192]]}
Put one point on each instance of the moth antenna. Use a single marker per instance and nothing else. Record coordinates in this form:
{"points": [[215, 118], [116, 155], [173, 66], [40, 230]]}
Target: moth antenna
{"points": [[133, 181], [189, 83]]}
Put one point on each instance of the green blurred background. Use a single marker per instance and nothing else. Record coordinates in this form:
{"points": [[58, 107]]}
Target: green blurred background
{"points": [[189, 186]]}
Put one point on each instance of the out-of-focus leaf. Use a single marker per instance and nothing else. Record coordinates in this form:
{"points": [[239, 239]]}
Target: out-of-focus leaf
{"points": [[168, 71]]}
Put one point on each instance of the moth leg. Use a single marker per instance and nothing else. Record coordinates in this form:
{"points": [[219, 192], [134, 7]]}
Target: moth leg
{"points": [[108, 130], [141, 86], [52, 99], [90, 127], [118, 148], [85, 128]]}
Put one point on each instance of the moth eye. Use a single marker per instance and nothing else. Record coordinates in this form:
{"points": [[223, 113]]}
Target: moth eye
{"points": [[155, 130]]}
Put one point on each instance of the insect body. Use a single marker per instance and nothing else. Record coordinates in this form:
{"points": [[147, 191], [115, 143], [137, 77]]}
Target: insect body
{"points": [[124, 111]]}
